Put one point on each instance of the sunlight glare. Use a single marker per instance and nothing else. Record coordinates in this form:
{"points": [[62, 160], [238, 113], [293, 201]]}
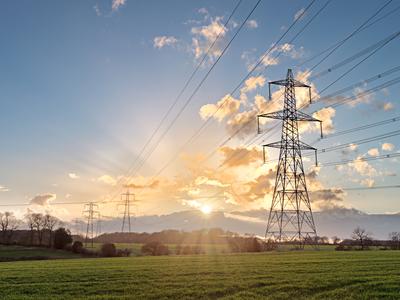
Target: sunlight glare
{"points": [[206, 209]]}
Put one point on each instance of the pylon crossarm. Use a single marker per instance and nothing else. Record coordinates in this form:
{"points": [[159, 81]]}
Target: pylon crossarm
{"points": [[280, 144], [305, 117], [277, 115]]}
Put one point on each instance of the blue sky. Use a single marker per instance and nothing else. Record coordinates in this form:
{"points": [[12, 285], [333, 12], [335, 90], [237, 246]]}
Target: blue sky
{"points": [[83, 84]]}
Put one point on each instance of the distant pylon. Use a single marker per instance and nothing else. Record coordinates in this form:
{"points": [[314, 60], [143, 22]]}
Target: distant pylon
{"points": [[128, 199], [91, 212], [290, 217]]}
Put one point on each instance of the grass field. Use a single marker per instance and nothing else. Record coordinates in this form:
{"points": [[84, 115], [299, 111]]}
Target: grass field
{"points": [[9, 253], [136, 247], [276, 275]]}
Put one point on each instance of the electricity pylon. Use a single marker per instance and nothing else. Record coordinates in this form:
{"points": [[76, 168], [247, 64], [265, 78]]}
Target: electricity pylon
{"points": [[290, 218], [127, 199], [91, 212]]}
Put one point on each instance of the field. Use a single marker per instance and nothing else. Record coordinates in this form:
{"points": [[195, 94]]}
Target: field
{"points": [[10, 253], [136, 247], [276, 275]]}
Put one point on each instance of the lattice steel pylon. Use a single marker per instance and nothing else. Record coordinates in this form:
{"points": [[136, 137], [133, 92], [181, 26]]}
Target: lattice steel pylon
{"points": [[290, 218], [127, 198], [91, 212]]}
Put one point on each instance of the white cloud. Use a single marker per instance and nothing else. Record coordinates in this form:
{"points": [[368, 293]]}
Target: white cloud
{"points": [[387, 147], [252, 24], [43, 200], [73, 176], [107, 179], [203, 11], [252, 83], [116, 4], [162, 41], [97, 10], [4, 189], [368, 182], [362, 167], [204, 36], [299, 14], [373, 152], [388, 106], [223, 108]]}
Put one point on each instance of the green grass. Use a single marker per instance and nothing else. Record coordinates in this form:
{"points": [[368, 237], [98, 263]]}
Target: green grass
{"points": [[9, 253], [277, 275], [136, 247]]}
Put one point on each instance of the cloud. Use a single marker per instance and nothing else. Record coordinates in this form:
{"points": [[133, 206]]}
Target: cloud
{"points": [[73, 176], [369, 182], [257, 188], [4, 189], [204, 36], [387, 147], [299, 14], [326, 115], [162, 41], [373, 152], [271, 59], [107, 179], [252, 83], [224, 108], [240, 156], [203, 180], [362, 167], [388, 106], [97, 10], [203, 11], [327, 195], [252, 24], [43, 200], [116, 4], [150, 185], [243, 123]]}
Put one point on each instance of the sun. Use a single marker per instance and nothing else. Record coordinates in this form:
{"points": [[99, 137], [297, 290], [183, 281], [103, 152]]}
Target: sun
{"points": [[206, 209]]}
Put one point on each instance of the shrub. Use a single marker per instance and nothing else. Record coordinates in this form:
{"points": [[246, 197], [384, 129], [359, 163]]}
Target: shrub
{"points": [[187, 250], [77, 247], [62, 237], [155, 248], [343, 248], [124, 252], [108, 250], [90, 253]]}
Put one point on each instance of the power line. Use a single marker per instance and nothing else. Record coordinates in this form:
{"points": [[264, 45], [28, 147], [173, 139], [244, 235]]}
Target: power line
{"points": [[381, 45], [197, 87], [350, 144], [185, 86], [362, 127], [361, 159], [353, 57], [197, 132], [351, 35], [368, 188], [334, 45]]}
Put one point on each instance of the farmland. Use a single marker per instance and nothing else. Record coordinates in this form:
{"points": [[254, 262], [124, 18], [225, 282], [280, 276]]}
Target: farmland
{"points": [[10, 253], [283, 275]]}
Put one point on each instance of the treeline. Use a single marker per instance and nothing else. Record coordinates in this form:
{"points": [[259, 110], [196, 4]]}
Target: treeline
{"points": [[41, 230], [204, 236]]}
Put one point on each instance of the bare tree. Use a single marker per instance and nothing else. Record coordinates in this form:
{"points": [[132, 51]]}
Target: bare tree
{"points": [[362, 236], [335, 240], [38, 225], [49, 222], [395, 240], [8, 223], [30, 223]]}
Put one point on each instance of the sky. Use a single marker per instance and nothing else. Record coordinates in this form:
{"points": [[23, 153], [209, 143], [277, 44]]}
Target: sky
{"points": [[84, 84]]}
